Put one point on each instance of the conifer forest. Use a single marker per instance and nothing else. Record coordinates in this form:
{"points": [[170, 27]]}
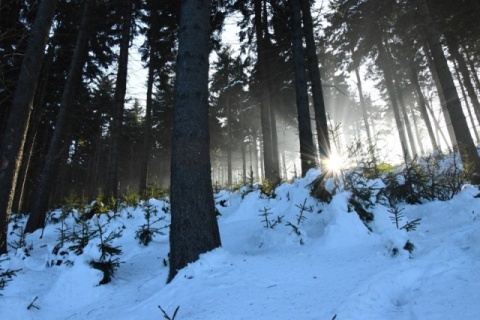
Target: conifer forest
{"points": [[110, 100]]}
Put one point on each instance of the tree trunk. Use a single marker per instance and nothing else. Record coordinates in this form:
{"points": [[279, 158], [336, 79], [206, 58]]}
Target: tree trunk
{"points": [[364, 108], [267, 42], [32, 137], [147, 128], [255, 156], [36, 219], [243, 150], [422, 106], [315, 82], [307, 148], [11, 150], [437, 126], [229, 145], [393, 98], [467, 82], [465, 98], [471, 64], [417, 132], [111, 186], [271, 169], [194, 228], [443, 102], [468, 151]]}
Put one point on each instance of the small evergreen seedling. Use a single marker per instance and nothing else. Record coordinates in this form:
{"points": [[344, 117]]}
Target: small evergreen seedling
{"points": [[147, 231], [397, 215], [21, 242], [267, 222], [303, 208], [300, 219], [80, 236], [6, 276], [412, 225], [107, 263]]}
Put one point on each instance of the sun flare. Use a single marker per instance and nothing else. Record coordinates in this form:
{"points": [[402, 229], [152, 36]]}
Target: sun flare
{"points": [[334, 163]]}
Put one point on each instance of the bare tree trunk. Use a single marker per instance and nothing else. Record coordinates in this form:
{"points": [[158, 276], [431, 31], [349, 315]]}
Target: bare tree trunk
{"points": [[307, 148], [194, 228], [468, 151], [422, 106], [36, 219], [393, 98], [441, 96], [270, 166], [13, 141], [147, 128], [471, 64], [406, 119], [467, 82], [32, 135], [364, 107], [465, 98], [255, 156], [111, 186], [315, 82], [437, 126], [229, 145], [417, 132]]}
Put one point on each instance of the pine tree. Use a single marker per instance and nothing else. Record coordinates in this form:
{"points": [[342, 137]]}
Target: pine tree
{"points": [[194, 228], [13, 141]]}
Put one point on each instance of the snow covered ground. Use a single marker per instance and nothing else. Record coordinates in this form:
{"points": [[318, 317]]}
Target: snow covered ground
{"points": [[335, 268]]}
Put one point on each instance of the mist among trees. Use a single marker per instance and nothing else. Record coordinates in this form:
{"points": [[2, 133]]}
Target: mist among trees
{"points": [[301, 83]]}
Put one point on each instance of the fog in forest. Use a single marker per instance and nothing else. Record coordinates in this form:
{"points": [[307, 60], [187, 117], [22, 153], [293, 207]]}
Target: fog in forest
{"points": [[382, 94]]}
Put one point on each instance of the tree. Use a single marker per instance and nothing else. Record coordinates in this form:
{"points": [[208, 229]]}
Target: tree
{"points": [[315, 82], [36, 220], [194, 228], [13, 141], [467, 149], [307, 149], [270, 155], [111, 185]]}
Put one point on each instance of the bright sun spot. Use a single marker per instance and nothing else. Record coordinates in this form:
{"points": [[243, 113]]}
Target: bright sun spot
{"points": [[334, 163]]}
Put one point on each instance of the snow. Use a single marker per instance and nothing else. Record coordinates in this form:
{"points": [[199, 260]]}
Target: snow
{"points": [[335, 267]]}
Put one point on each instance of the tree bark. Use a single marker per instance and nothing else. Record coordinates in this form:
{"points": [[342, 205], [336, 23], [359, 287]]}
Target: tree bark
{"points": [[194, 228], [468, 151], [467, 82], [364, 108], [465, 98], [315, 82], [422, 106], [443, 102], [471, 64], [111, 186], [11, 150], [229, 145], [147, 128], [307, 148], [36, 219], [271, 169], [393, 98]]}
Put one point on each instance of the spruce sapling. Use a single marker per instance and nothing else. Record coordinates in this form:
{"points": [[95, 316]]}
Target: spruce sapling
{"points": [[21, 243], [397, 215], [267, 222], [80, 236], [107, 263], [6, 276], [147, 231]]}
